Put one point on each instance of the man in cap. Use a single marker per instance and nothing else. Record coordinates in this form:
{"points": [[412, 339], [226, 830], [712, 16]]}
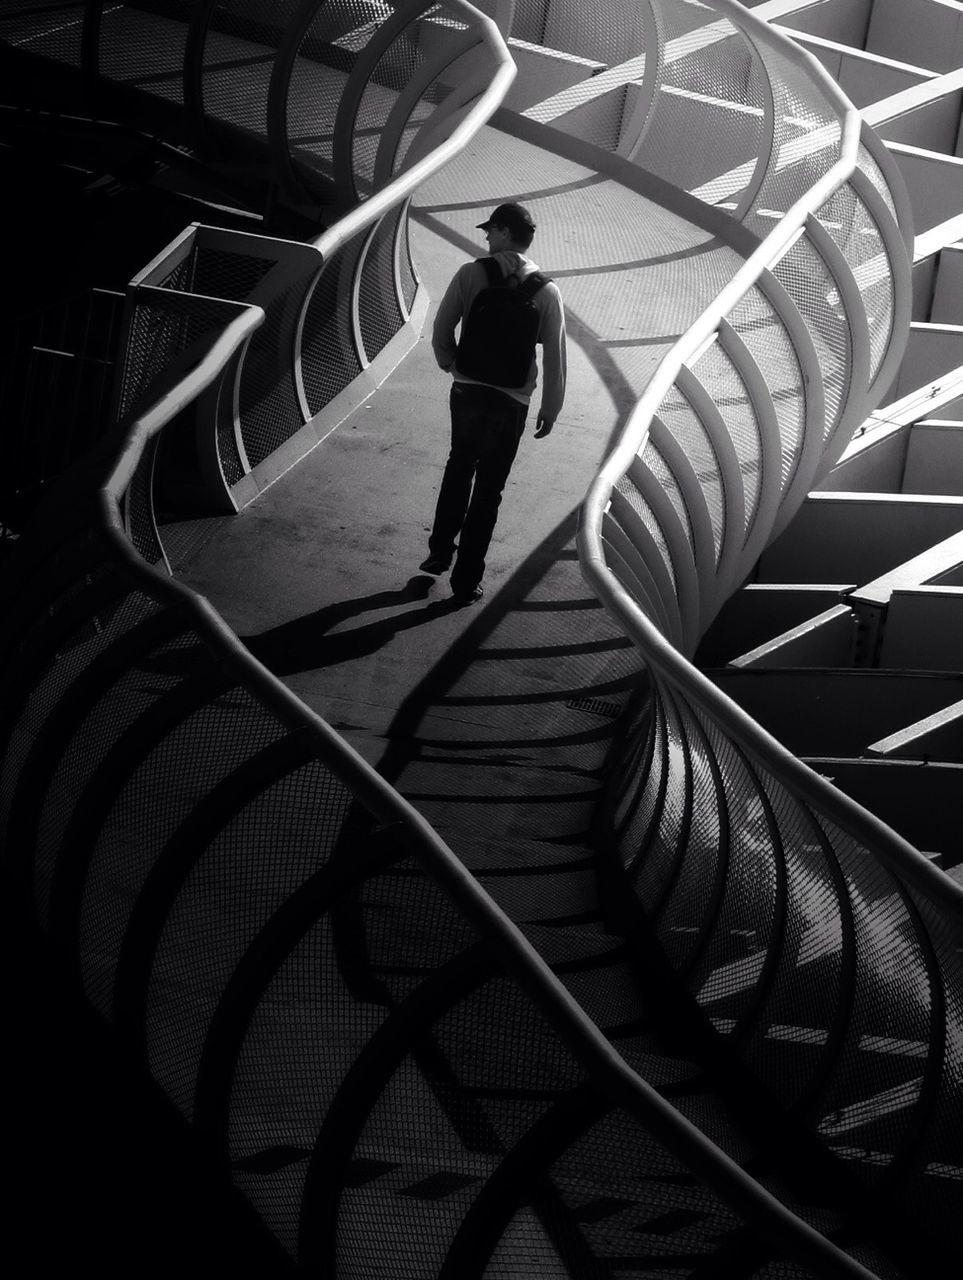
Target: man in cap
{"points": [[504, 307]]}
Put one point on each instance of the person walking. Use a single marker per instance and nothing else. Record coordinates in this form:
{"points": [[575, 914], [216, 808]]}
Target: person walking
{"points": [[505, 307]]}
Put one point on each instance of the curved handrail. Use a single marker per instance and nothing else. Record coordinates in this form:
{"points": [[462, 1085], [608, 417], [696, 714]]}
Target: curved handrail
{"points": [[605, 1067], [605, 1070], [411, 177], [631, 443], [289, 378], [799, 820]]}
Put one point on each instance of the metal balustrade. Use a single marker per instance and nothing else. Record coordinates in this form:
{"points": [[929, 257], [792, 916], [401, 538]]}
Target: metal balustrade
{"points": [[708, 813], [770, 392], [353, 105], [304, 967], [396, 1079]]}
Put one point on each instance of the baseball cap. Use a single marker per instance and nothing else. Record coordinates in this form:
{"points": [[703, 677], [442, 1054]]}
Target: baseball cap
{"points": [[513, 216]]}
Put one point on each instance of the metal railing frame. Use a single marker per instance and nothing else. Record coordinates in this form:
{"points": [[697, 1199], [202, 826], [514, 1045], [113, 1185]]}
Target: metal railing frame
{"points": [[810, 788], [604, 1065], [300, 266]]}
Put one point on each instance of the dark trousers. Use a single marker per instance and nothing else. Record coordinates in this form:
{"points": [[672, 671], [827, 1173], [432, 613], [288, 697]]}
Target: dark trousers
{"points": [[486, 426]]}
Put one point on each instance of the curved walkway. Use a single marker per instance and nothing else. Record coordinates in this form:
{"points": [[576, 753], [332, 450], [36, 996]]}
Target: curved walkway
{"points": [[496, 720], [319, 575]]}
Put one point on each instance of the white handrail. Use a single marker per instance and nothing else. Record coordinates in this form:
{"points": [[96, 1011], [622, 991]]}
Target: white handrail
{"points": [[895, 852], [407, 182]]}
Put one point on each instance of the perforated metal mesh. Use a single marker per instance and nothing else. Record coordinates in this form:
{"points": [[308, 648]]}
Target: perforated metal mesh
{"points": [[240, 45], [48, 28], [712, 91], [669, 485], [680, 418], [305, 991], [719, 376], [759, 327], [807, 278], [162, 326], [329, 353], [651, 523], [830, 980], [139, 508], [336, 34], [378, 304], [869, 167], [320, 61], [146, 48], [400, 65], [857, 234]]}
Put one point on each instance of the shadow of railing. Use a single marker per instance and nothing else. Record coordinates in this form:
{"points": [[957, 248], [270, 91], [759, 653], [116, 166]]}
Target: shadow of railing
{"points": [[317, 983], [850, 929]]}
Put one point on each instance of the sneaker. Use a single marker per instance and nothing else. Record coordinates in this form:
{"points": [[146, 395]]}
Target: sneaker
{"points": [[469, 596], [434, 565]]}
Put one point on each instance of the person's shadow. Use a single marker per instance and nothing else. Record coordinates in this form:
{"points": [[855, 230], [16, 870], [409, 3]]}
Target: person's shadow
{"points": [[305, 645]]}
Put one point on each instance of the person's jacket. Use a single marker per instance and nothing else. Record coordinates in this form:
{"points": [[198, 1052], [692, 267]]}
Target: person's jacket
{"points": [[468, 281]]}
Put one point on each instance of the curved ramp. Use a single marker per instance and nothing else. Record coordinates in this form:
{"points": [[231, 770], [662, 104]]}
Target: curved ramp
{"points": [[343, 1010]]}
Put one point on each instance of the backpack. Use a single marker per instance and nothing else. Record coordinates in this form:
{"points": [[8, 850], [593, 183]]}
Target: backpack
{"points": [[498, 335]]}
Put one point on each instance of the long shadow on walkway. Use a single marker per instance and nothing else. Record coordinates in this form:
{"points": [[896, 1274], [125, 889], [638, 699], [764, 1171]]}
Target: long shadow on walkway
{"points": [[304, 644], [503, 745]]}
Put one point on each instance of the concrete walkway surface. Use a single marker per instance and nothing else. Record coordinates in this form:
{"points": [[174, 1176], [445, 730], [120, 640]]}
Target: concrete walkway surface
{"points": [[319, 576]]}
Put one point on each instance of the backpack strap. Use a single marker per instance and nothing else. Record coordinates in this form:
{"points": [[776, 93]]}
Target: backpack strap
{"points": [[493, 271], [531, 284], [528, 287]]}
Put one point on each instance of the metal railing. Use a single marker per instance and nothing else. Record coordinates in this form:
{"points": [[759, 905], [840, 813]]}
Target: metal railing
{"points": [[384, 1066], [708, 813], [402, 89], [302, 964]]}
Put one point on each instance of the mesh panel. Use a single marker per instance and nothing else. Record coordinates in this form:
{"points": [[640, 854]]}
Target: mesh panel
{"points": [[678, 417], [268, 406], [708, 74], [232, 467], [806, 140], [657, 465], [812, 960], [724, 384], [222, 274], [757, 324], [607, 33], [379, 314], [666, 812], [857, 234], [139, 508], [805, 276], [46, 29], [239, 51], [331, 43], [400, 65], [146, 49], [868, 166], [648, 518], [329, 358], [218, 731], [408, 276], [650, 1211], [700, 852], [161, 327]]}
